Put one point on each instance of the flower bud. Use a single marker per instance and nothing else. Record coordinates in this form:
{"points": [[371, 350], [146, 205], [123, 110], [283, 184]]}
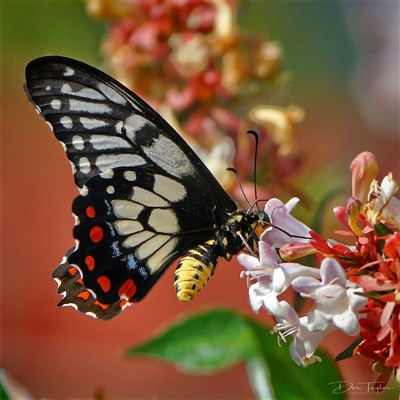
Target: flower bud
{"points": [[363, 171]]}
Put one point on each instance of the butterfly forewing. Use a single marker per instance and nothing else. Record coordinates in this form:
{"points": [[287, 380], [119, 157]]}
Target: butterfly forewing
{"points": [[104, 126], [146, 198]]}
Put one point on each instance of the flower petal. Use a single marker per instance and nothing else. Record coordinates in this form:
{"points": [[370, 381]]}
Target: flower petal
{"points": [[290, 229], [331, 270]]}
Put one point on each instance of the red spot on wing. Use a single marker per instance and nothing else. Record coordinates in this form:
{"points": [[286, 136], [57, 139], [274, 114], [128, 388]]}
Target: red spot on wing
{"points": [[84, 295], [103, 306], [104, 283], [89, 261], [90, 212], [96, 234], [72, 271], [127, 289]]}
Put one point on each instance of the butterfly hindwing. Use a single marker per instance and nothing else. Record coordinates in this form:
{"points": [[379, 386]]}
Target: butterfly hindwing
{"points": [[77, 295], [146, 198], [137, 226]]}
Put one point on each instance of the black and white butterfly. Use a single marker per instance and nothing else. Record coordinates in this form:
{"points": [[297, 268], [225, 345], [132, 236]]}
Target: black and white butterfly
{"points": [[145, 199]]}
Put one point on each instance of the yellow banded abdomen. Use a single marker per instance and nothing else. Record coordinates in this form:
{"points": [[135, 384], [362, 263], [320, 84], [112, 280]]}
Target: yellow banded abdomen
{"points": [[194, 270]]}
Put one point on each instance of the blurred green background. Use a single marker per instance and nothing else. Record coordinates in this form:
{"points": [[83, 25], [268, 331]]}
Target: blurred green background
{"points": [[62, 354]]}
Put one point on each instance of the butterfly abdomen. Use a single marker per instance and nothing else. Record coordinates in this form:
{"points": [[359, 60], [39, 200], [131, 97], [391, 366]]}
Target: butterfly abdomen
{"points": [[194, 270]]}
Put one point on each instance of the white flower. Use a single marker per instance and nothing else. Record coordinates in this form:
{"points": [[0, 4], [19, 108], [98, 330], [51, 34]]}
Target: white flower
{"points": [[334, 302], [272, 277], [286, 229], [304, 342]]}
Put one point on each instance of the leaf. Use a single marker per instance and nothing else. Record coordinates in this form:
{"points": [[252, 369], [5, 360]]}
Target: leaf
{"points": [[348, 352], [382, 230], [204, 343], [214, 340], [3, 393]]}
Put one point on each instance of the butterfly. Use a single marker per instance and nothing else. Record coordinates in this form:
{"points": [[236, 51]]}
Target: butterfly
{"points": [[146, 199]]}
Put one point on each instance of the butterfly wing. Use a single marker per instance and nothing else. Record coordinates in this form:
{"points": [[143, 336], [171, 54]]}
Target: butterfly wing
{"points": [[146, 197]]}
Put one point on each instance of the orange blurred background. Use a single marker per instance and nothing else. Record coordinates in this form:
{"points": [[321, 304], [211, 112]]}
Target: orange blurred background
{"points": [[61, 354]]}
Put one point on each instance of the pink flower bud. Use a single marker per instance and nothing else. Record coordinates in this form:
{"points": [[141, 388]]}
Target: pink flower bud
{"points": [[364, 169]]}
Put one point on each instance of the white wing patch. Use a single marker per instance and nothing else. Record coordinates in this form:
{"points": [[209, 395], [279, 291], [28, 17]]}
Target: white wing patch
{"points": [[164, 221], [163, 152], [110, 93], [147, 198], [149, 247], [69, 72], [66, 122], [89, 107], [168, 156], [78, 142], [128, 226], [161, 254], [55, 104], [104, 162], [126, 209], [84, 165], [103, 142], [92, 123], [84, 92], [137, 238], [169, 188], [130, 176]]}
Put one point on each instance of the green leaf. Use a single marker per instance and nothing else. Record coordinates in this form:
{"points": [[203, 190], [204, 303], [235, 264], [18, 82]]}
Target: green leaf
{"points": [[347, 353], [382, 230], [3, 393], [217, 339], [372, 295], [204, 343]]}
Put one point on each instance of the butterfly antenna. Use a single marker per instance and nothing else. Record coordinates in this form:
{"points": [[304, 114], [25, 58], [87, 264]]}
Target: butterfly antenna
{"points": [[255, 134], [240, 184]]}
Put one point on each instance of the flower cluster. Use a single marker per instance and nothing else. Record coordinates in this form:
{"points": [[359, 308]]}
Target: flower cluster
{"points": [[354, 288], [198, 69]]}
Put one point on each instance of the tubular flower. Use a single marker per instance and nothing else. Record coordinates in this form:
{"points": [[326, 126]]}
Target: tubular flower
{"points": [[304, 342], [272, 277], [278, 123], [334, 302], [354, 287]]}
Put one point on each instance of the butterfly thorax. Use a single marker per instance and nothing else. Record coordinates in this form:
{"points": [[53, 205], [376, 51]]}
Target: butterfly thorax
{"points": [[243, 229], [194, 269]]}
